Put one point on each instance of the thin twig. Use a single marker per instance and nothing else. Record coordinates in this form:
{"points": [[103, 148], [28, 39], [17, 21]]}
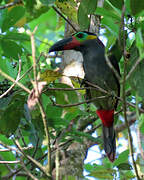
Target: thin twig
{"points": [[15, 149], [112, 68], [21, 136], [69, 89], [57, 161], [43, 114], [13, 85], [27, 171], [10, 4], [119, 98], [60, 14], [133, 68], [14, 81], [124, 95], [77, 104], [38, 165], [96, 87], [6, 165], [10, 162]]}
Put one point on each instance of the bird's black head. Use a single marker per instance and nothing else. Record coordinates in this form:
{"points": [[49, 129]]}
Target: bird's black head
{"points": [[76, 42]]}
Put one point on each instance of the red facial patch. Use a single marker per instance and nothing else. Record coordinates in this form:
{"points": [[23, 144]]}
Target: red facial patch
{"points": [[107, 117], [72, 44]]}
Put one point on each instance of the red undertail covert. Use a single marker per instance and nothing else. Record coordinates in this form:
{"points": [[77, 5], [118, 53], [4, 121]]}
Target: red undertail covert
{"points": [[107, 116]]}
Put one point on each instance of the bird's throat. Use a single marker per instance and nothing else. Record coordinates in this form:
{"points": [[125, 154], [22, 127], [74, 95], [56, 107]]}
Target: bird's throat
{"points": [[107, 117]]}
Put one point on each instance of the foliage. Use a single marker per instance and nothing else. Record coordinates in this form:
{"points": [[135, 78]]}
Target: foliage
{"points": [[67, 124]]}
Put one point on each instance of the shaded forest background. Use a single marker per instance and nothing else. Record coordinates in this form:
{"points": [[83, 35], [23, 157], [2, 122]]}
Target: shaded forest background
{"points": [[46, 127]]}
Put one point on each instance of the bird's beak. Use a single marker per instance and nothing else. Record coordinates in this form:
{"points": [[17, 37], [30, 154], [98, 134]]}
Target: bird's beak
{"points": [[65, 44]]}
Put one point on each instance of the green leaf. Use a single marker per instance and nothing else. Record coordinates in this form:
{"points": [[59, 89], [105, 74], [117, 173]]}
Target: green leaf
{"points": [[12, 17], [11, 49], [88, 167], [100, 175], [51, 23], [117, 4], [112, 26], [136, 79], [83, 19], [101, 172], [62, 96], [141, 123], [124, 166], [107, 13], [16, 36], [123, 157], [129, 175], [3, 66], [139, 41], [6, 140], [136, 6], [47, 2], [89, 6], [86, 7], [10, 117], [54, 112], [4, 102], [54, 116]]}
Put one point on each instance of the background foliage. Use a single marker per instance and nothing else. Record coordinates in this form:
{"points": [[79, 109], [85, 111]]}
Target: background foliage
{"points": [[17, 123]]}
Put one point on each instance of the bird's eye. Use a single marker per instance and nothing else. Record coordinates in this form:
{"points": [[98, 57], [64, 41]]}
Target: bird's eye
{"points": [[80, 35]]}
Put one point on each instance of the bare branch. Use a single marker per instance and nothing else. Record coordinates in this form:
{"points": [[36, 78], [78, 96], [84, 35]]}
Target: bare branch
{"points": [[43, 114], [112, 68], [76, 104], [10, 162], [133, 68]]}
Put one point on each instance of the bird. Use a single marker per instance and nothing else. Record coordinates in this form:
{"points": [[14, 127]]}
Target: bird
{"points": [[97, 72]]}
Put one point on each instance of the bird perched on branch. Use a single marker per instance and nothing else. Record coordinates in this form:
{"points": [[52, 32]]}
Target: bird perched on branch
{"points": [[97, 72]]}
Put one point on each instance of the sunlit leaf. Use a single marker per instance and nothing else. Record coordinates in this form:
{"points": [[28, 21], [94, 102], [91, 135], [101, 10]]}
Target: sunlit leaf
{"points": [[50, 76], [106, 13], [16, 36], [14, 15], [123, 157], [141, 123], [77, 83], [139, 41]]}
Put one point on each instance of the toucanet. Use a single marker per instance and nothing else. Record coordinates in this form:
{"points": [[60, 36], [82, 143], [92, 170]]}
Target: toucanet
{"points": [[97, 72]]}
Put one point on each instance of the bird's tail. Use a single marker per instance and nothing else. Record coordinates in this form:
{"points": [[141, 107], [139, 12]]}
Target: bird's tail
{"points": [[107, 117], [109, 142]]}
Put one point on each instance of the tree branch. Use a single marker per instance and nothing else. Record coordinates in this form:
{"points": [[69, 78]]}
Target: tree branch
{"points": [[43, 114]]}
